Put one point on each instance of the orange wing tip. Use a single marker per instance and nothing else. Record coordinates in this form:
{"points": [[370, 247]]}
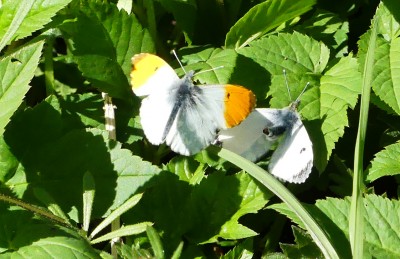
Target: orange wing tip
{"points": [[144, 65], [239, 103]]}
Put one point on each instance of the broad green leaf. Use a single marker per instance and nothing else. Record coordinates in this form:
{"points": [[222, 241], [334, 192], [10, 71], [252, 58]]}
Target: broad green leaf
{"points": [[20, 18], [81, 110], [304, 246], [178, 208], [184, 12], [21, 236], [104, 54], [329, 28], [16, 71], [184, 167], [339, 90], [331, 91], [251, 198], [386, 69], [385, 163], [297, 53], [262, 18], [56, 161], [226, 67], [8, 162], [221, 62], [382, 223], [387, 23]]}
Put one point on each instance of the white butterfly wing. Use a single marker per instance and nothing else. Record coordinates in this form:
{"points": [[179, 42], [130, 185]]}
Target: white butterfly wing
{"points": [[154, 118], [292, 161], [151, 74], [186, 117], [248, 139], [194, 127], [199, 120]]}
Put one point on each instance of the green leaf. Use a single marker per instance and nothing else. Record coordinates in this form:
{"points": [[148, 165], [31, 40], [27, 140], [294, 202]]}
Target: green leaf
{"points": [[51, 205], [339, 90], [329, 28], [89, 191], [16, 71], [20, 18], [211, 196], [244, 250], [332, 88], [155, 241], [386, 68], [80, 110], [184, 12], [56, 161], [385, 163], [297, 53], [117, 37], [381, 230], [123, 231], [178, 208], [263, 18], [278, 189], [185, 168], [117, 213], [304, 246], [226, 67], [221, 62], [24, 237]]}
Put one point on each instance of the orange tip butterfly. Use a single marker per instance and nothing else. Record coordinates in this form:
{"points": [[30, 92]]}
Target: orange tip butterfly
{"points": [[292, 161], [185, 116]]}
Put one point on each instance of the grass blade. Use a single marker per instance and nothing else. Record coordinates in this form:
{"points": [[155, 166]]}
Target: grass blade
{"points": [[155, 242], [123, 231], [116, 213], [318, 235], [356, 217]]}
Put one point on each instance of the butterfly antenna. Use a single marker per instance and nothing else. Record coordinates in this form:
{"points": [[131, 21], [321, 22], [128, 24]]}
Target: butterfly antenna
{"points": [[208, 70], [176, 56], [302, 92], [287, 85]]}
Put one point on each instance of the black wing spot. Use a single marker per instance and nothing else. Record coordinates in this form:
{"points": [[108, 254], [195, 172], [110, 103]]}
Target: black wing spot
{"points": [[228, 95], [302, 150]]}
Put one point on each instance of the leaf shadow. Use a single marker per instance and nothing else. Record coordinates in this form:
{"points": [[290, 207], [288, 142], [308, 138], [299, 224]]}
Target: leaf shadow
{"points": [[194, 213], [252, 76], [56, 161]]}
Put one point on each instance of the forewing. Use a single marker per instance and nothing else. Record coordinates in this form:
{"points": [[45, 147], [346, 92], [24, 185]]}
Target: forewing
{"points": [[292, 161], [154, 114], [151, 74]]}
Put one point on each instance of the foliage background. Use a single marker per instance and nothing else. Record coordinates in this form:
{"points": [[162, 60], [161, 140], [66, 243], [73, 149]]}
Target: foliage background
{"points": [[61, 176]]}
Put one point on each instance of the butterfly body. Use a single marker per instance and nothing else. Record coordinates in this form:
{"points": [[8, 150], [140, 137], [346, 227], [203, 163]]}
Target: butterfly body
{"points": [[183, 115]]}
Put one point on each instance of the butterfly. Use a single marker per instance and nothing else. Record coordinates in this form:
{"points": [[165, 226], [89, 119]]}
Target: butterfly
{"points": [[185, 116], [292, 160]]}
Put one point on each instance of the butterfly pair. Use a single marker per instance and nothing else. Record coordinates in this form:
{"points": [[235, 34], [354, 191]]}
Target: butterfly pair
{"points": [[188, 118]]}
